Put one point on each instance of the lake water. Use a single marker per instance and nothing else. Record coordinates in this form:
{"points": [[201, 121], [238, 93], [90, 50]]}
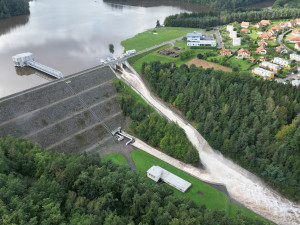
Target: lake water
{"points": [[73, 35]]}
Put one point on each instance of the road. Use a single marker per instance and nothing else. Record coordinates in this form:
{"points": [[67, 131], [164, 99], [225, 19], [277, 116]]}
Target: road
{"points": [[279, 40], [218, 37], [241, 185]]}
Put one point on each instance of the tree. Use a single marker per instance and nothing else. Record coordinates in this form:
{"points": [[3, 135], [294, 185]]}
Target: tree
{"points": [[157, 23], [111, 48]]}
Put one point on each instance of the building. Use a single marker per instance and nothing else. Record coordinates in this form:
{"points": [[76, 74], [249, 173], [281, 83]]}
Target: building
{"points": [[297, 46], [265, 35], [229, 28], [292, 23], [283, 25], [295, 57], [243, 54], [247, 31], [157, 173], [130, 52], [266, 74], [245, 24], [252, 60], [225, 52], [21, 59], [297, 21], [236, 41], [295, 39], [296, 83], [271, 66], [296, 32], [258, 25], [233, 34], [197, 39], [265, 22], [263, 42], [282, 62], [261, 50], [280, 49]]}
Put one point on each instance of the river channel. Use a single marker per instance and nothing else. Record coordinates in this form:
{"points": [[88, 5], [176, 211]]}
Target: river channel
{"points": [[73, 35]]}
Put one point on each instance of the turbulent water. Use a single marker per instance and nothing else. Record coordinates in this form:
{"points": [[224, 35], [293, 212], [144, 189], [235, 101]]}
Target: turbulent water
{"points": [[241, 185]]}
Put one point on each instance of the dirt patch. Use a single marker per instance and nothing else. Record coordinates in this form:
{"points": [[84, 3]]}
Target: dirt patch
{"points": [[200, 193], [206, 64]]}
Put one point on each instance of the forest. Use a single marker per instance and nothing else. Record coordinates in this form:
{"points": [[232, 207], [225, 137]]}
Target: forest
{"points": [[254, 122], [42, 187], [211, 19], [10, 8], [154, 129]]}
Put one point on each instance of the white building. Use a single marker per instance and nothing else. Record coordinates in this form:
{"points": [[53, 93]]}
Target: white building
{"points": [[197, 39], [129, 52], [156, 173], [271, 66], [266, 74], [229, 28], [296, 83], [21, 59], [295, 57], [282, 62], [233, 34], [236, 41]]}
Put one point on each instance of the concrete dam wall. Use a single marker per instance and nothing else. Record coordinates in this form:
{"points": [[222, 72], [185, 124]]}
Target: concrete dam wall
{"points": [[53, 116]]}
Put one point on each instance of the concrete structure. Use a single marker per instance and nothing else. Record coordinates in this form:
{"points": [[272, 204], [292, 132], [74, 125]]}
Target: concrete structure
{"points": [[245, 24], [233, 34], [266, 74], [197, 39], [225, 52], [236, 41], [296, 83], [271, 66], [282, 62], [130, 52], [258, 25], [229, 28], [261, 50], [265, 22], [27, 59], [156, 173], [295, 57]]}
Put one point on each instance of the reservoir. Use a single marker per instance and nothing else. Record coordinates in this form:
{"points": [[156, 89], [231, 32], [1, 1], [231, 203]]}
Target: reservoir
{"points": [[73, 35]]}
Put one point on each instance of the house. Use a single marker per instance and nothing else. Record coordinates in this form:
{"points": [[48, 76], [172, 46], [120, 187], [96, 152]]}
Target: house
{"points": [[295, 39], [277, 28], [243, 54], [297, 21], [197, 39], [292, 23], [296, 32], [271, 66], [261, 50], [258, 25], [247, 31], [295, 57], [229, 28], [225, 52], [282, 62], [157, 173], [297, 46], [280, 49], [295, 83], [266, 74], [252, 60], [233, 34], [245, 24], [273, 31], [265, 22], [265, 36], [263, 42], [237, 41], [283, 25]]}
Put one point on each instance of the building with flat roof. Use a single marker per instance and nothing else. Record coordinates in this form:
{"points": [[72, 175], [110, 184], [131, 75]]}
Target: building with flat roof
{"points": [[156, 173], [270, 66], [282, 62], [197, 39], [266, 74], [237, 41], [295, 57]]}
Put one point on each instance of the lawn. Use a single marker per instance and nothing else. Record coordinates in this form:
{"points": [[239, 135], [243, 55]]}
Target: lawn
{"points": [[149, 39], [116, 158], [211, 197], [242, 64]]}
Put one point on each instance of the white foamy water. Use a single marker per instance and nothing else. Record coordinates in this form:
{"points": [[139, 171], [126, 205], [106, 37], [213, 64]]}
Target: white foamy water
{"points": [[241, 185]]}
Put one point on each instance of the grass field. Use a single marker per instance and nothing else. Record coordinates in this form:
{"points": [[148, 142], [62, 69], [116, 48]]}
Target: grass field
{"points": [[116, 158], [242, 64], [212, 198], [205, 64], [148, 39]]}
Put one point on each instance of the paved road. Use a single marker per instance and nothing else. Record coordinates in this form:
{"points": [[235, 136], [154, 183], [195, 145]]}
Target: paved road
{"points": [[218, 37], [290, 77], [279, 40]]}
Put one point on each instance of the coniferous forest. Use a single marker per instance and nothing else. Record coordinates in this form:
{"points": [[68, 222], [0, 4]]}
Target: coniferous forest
{"points": [[41, 187], [252, 121], [10, 8], [211, 19]]}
